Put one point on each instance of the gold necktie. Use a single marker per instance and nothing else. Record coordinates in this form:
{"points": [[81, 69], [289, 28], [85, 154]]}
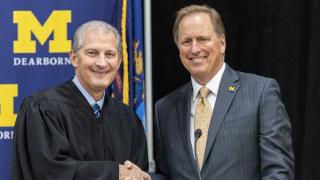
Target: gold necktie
{"points": [[202, 121]]}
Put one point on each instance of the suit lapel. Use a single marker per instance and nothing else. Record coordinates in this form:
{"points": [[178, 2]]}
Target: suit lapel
{"points": [[227, 90], [183, 112]]}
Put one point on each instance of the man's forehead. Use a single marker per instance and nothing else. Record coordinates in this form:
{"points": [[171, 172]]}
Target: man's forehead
{"points": [[196, 16], [93, 33], [96, 38], [99, 47]]}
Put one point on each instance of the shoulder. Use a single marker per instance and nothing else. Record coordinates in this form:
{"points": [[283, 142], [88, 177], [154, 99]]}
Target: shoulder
{"points": [[36, 107], [120, 111], [115, 106], [47, 98], [254, 80], [39, 99], [249, 84], [64, 94], [256, 85], [181, 92]]}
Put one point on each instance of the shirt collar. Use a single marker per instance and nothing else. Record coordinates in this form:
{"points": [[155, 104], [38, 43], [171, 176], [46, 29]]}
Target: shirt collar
{"points": [[213, 84], [85, 93]]}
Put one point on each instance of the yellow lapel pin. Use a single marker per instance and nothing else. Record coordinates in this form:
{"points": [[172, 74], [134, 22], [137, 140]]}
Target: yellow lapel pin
{"points": [[231, 88]]}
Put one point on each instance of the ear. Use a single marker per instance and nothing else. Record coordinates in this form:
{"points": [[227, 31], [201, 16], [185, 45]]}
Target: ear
{"points": [[223, 44], [73, 58]]}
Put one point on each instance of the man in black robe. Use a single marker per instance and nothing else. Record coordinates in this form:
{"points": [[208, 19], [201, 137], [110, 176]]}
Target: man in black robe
{"points": [[75, 130]]}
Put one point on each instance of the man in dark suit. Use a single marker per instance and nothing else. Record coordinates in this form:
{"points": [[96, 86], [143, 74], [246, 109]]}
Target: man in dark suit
{"points": [[248, 133]]}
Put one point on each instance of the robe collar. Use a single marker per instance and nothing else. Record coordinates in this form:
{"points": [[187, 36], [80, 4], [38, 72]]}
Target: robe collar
{"points": [[85, 93]]}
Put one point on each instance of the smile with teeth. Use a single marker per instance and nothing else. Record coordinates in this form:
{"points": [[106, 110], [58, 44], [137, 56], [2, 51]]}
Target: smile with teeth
{"points": [[100, 72], [198, 59]]}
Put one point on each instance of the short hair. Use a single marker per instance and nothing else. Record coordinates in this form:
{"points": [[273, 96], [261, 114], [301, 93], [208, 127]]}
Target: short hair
{"points": [[97, 26], [214, 16]]}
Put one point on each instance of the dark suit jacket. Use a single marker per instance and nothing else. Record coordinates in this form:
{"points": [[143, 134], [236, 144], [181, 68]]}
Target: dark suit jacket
{"points": [[249, 135]]}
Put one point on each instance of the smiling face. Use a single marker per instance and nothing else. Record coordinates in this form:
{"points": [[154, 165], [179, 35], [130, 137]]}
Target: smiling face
{"points": [[97, 61], [201, 50]]}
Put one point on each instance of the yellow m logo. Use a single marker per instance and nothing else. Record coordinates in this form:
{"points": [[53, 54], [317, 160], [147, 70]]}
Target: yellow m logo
{"points": [[7, 94], [27, 23]]}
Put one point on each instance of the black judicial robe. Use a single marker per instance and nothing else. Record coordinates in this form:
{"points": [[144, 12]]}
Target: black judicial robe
{"points": [[57, 136]]}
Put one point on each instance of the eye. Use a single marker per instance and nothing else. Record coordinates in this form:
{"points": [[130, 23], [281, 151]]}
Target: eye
{"points": [[186, 42], [204, 39], [110, 54], [92, 53]]}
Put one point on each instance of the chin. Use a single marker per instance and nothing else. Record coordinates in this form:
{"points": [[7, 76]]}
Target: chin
{"points": [[198, 71], [100, 85], [103, 85]]}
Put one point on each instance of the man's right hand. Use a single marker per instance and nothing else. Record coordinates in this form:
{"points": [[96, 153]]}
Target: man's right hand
{"points": [[130, 171]]}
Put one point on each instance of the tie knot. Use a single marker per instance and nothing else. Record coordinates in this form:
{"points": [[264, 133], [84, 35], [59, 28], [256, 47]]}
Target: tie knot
{"points": [[96, 109], [204, 92]]}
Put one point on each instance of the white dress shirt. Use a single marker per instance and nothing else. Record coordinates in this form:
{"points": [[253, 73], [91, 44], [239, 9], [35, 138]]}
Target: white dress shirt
{"points": [[213, 85], [86, 94]]}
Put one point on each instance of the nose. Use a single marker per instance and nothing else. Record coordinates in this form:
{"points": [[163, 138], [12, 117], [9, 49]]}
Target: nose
{"points": [[101, 61], [195, 48]]}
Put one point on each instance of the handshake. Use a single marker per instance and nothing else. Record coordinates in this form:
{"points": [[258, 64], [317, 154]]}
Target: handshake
{"points": [[130, 171]]}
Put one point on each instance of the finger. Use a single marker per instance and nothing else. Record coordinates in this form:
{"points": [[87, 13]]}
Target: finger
{"points": [[128, 164], [128, 178], [146, 176], [131, 165], [135, 166]]}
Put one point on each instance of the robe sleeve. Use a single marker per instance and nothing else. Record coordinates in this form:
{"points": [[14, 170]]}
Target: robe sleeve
{"points": [[140, 155], [41, 149]]}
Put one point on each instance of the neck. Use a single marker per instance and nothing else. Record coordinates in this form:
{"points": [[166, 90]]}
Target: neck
{"points": [[96, 95], [204, 79]]}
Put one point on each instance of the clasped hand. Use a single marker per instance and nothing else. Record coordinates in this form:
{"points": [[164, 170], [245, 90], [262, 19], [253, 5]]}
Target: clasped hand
{"points": [[130, 171]]}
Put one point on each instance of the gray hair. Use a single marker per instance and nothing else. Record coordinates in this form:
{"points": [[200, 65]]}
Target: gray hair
{"points": [[98, 26], [214, 16]]}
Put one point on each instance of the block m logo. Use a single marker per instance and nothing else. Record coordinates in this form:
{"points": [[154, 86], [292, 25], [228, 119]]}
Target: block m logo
{"points": [[27, 23], [7, 94]]}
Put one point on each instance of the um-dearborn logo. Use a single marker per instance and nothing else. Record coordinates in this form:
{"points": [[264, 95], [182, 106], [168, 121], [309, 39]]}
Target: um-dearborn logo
{"points": [[31, 32]]}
